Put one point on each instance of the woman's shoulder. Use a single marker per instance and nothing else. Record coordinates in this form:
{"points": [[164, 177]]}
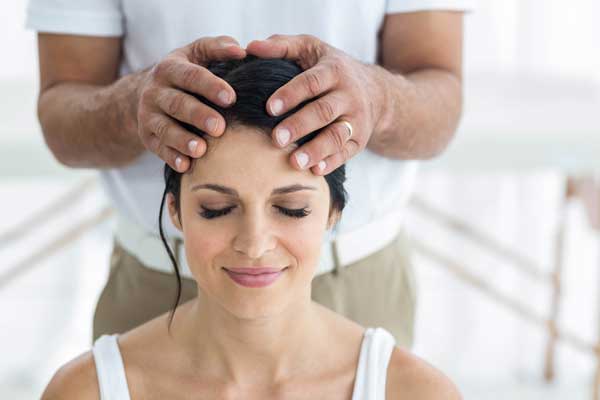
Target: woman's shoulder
{"points": [[411, 377], [74, 380]]}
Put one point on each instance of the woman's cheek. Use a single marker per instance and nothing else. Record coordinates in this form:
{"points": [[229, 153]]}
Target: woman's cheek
{"points": [[304, 242], [202, 246]]}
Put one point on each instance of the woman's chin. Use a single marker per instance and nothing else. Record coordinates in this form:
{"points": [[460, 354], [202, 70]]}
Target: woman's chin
{"points": [[253, 310]]}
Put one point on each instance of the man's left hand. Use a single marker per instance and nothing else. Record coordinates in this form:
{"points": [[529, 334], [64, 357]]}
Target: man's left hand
{"points": [[344, 89]]}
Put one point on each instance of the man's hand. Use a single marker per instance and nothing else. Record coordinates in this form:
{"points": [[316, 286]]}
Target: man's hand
{"points": [[345, 90], [162, 99]]}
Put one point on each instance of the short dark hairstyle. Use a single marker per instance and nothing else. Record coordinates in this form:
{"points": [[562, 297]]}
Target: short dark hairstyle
{"points": [[254, 81]]}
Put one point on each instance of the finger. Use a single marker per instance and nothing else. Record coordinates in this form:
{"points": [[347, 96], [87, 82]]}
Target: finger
{"points": [[305, 86], [218, 48], [197, 79], [331, 140], [187, 108], [336, 160], [175, 159], [313, 116], [171, 134], [306, 49]]}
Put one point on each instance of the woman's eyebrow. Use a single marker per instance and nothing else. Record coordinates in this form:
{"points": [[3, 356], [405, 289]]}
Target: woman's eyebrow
{"points": [[232, 192]]}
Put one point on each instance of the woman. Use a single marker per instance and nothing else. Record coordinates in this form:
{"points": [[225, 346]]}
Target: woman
{"points": [[253, 228]]}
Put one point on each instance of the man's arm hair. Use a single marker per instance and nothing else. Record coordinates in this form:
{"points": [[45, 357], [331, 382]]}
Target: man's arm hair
{"points": [[420, 67], [88, 116]]}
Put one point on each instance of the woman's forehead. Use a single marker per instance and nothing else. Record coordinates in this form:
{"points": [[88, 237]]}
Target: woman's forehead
{"points": [[247, 157]]}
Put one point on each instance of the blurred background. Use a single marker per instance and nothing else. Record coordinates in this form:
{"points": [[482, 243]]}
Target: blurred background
{"points": [[505, 223]]}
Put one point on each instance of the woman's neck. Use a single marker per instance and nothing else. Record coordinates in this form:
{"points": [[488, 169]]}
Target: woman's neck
{"points": [[232, 348]]}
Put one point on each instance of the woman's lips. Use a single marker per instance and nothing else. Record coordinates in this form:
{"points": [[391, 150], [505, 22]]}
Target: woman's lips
{"points": [[254, 277]]}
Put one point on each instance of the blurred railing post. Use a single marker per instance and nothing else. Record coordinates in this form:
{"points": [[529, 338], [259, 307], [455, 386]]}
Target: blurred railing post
{"points": [[559, 245]]}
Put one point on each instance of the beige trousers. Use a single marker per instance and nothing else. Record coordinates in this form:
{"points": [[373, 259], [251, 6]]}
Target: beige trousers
{"points": [[378, 290]]}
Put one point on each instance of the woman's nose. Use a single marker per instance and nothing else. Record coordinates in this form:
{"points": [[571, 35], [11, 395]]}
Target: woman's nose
{"points": [[255, 237]]}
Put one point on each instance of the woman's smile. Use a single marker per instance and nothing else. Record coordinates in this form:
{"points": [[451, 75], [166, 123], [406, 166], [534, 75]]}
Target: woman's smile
{"points": [[254, 276]]}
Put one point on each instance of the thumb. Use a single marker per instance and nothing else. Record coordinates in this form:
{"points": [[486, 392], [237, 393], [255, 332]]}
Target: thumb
{"points": [[305, 49], [218, 48]]}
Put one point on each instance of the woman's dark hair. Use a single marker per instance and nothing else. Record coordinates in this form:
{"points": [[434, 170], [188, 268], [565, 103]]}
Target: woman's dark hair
{"points": [[254, 81]]}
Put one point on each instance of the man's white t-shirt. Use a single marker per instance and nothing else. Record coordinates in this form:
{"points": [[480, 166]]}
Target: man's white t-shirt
{"points": [[378, 187]]}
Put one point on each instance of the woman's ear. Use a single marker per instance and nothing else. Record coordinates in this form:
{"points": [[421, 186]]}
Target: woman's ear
{"points": [[173, 214]]}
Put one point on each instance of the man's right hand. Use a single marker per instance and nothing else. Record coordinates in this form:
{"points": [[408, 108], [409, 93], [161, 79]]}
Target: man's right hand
{"points": [[162, 98]]}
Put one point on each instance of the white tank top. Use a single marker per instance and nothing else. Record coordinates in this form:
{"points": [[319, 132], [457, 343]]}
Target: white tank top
{"points": [[371, 372]]}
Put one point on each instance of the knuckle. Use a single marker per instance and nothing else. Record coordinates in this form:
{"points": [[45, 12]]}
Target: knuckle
{"points": [[161, 69], [175, 104], [199, 48], [205, 39], [338, 68], [190, 76], [313, 48], [160, 128], [153, 91], [338, 138], [309, 38], [325, 110], [148, 95], [313, 83]]}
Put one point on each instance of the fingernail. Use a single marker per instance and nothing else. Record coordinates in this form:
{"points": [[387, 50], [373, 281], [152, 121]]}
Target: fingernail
{"points": [[322, 164], [192, 145], [211, 124], [302, 159], [178, 163], [224, 97], [283, 136], [276, 106]]}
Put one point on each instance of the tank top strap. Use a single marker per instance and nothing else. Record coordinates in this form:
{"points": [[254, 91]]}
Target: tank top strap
{"points": [[371, 373], [110, 369]]}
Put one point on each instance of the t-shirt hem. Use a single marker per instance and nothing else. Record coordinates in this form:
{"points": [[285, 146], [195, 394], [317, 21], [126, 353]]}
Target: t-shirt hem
{"points": [[74, 22]]}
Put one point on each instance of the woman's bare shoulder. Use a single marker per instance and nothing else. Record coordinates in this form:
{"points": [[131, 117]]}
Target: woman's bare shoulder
{"points": [[411, 377], [74, 380]]}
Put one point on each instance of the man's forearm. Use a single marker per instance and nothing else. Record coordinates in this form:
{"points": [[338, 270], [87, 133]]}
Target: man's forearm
{"points": [[419, 114], [91, 126]]}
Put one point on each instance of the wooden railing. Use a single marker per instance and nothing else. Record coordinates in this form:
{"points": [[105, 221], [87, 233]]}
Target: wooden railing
{"points": [[525, 266]]}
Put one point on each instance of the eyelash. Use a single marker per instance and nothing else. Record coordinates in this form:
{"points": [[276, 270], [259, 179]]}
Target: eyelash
{"points": [[290, 212]]}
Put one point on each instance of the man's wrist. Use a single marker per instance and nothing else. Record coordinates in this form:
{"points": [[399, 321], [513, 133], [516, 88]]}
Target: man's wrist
{"points": [[419, 116], [127, 92], [384, 104], [119, 104]]}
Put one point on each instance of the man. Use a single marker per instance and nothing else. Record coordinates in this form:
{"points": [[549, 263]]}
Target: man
{"points": [[384, 79]]}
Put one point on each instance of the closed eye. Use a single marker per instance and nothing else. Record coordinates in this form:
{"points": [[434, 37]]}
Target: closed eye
{"points": [[294, 212], [209, 213]]}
